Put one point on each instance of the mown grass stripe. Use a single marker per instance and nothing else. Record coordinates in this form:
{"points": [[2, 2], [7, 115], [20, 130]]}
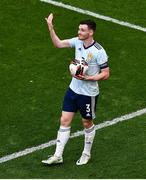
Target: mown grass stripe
{"points": [[73, 135], [96, 15]]}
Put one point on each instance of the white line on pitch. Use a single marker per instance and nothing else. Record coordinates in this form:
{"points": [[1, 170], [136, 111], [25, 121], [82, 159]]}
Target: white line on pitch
{"points": [[96, 15], [73, 135]]}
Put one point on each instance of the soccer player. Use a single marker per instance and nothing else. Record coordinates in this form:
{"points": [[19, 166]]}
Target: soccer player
{"points": [[83, 90]]}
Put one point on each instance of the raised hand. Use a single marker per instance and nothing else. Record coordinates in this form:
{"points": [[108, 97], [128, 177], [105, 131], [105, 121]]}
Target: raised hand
{"points": [[49, 20]]}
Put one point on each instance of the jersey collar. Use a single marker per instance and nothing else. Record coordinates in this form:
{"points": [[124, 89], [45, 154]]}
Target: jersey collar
{"points": [[89, 46]]}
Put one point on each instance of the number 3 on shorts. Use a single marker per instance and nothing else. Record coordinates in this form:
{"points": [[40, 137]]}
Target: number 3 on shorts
{"points": [[87, 108]]}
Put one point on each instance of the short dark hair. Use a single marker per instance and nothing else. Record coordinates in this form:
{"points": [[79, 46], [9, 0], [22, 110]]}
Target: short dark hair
{"points": [[90, 23]]}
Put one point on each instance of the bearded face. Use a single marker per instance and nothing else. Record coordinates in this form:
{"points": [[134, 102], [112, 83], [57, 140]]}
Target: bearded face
{"points": [[84, 32]]}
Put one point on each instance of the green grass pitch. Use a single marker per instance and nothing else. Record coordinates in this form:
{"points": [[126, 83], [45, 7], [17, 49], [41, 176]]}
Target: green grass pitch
{"points": [[34, 76]]}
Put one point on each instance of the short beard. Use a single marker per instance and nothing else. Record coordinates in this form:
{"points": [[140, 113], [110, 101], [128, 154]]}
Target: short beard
{"points": [[83, 39]]}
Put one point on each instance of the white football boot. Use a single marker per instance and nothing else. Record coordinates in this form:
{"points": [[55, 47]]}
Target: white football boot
{"points": [[83, 159], [53, 160]]}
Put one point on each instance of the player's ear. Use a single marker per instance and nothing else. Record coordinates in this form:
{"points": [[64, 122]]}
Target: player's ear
{"points": [[91, 32]]}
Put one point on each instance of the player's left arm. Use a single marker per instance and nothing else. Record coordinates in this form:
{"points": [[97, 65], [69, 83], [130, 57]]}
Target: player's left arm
{"points": [[103, 75]]}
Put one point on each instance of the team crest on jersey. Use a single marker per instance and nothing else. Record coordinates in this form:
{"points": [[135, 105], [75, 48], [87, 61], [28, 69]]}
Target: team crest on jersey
{"points": [[89, 56]]}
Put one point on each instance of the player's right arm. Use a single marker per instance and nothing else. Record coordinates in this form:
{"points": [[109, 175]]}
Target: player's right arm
{"points": [[55, 39]]}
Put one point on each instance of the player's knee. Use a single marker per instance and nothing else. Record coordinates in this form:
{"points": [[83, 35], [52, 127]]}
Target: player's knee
{"points": [[64, 121], [87, 123]]}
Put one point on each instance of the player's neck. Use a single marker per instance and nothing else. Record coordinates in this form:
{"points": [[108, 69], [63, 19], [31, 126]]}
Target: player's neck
{"points": [[88, 42]]}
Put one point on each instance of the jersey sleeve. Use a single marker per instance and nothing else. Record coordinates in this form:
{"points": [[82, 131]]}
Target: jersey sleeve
{"points": [[102, 59], [72, 42]]}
